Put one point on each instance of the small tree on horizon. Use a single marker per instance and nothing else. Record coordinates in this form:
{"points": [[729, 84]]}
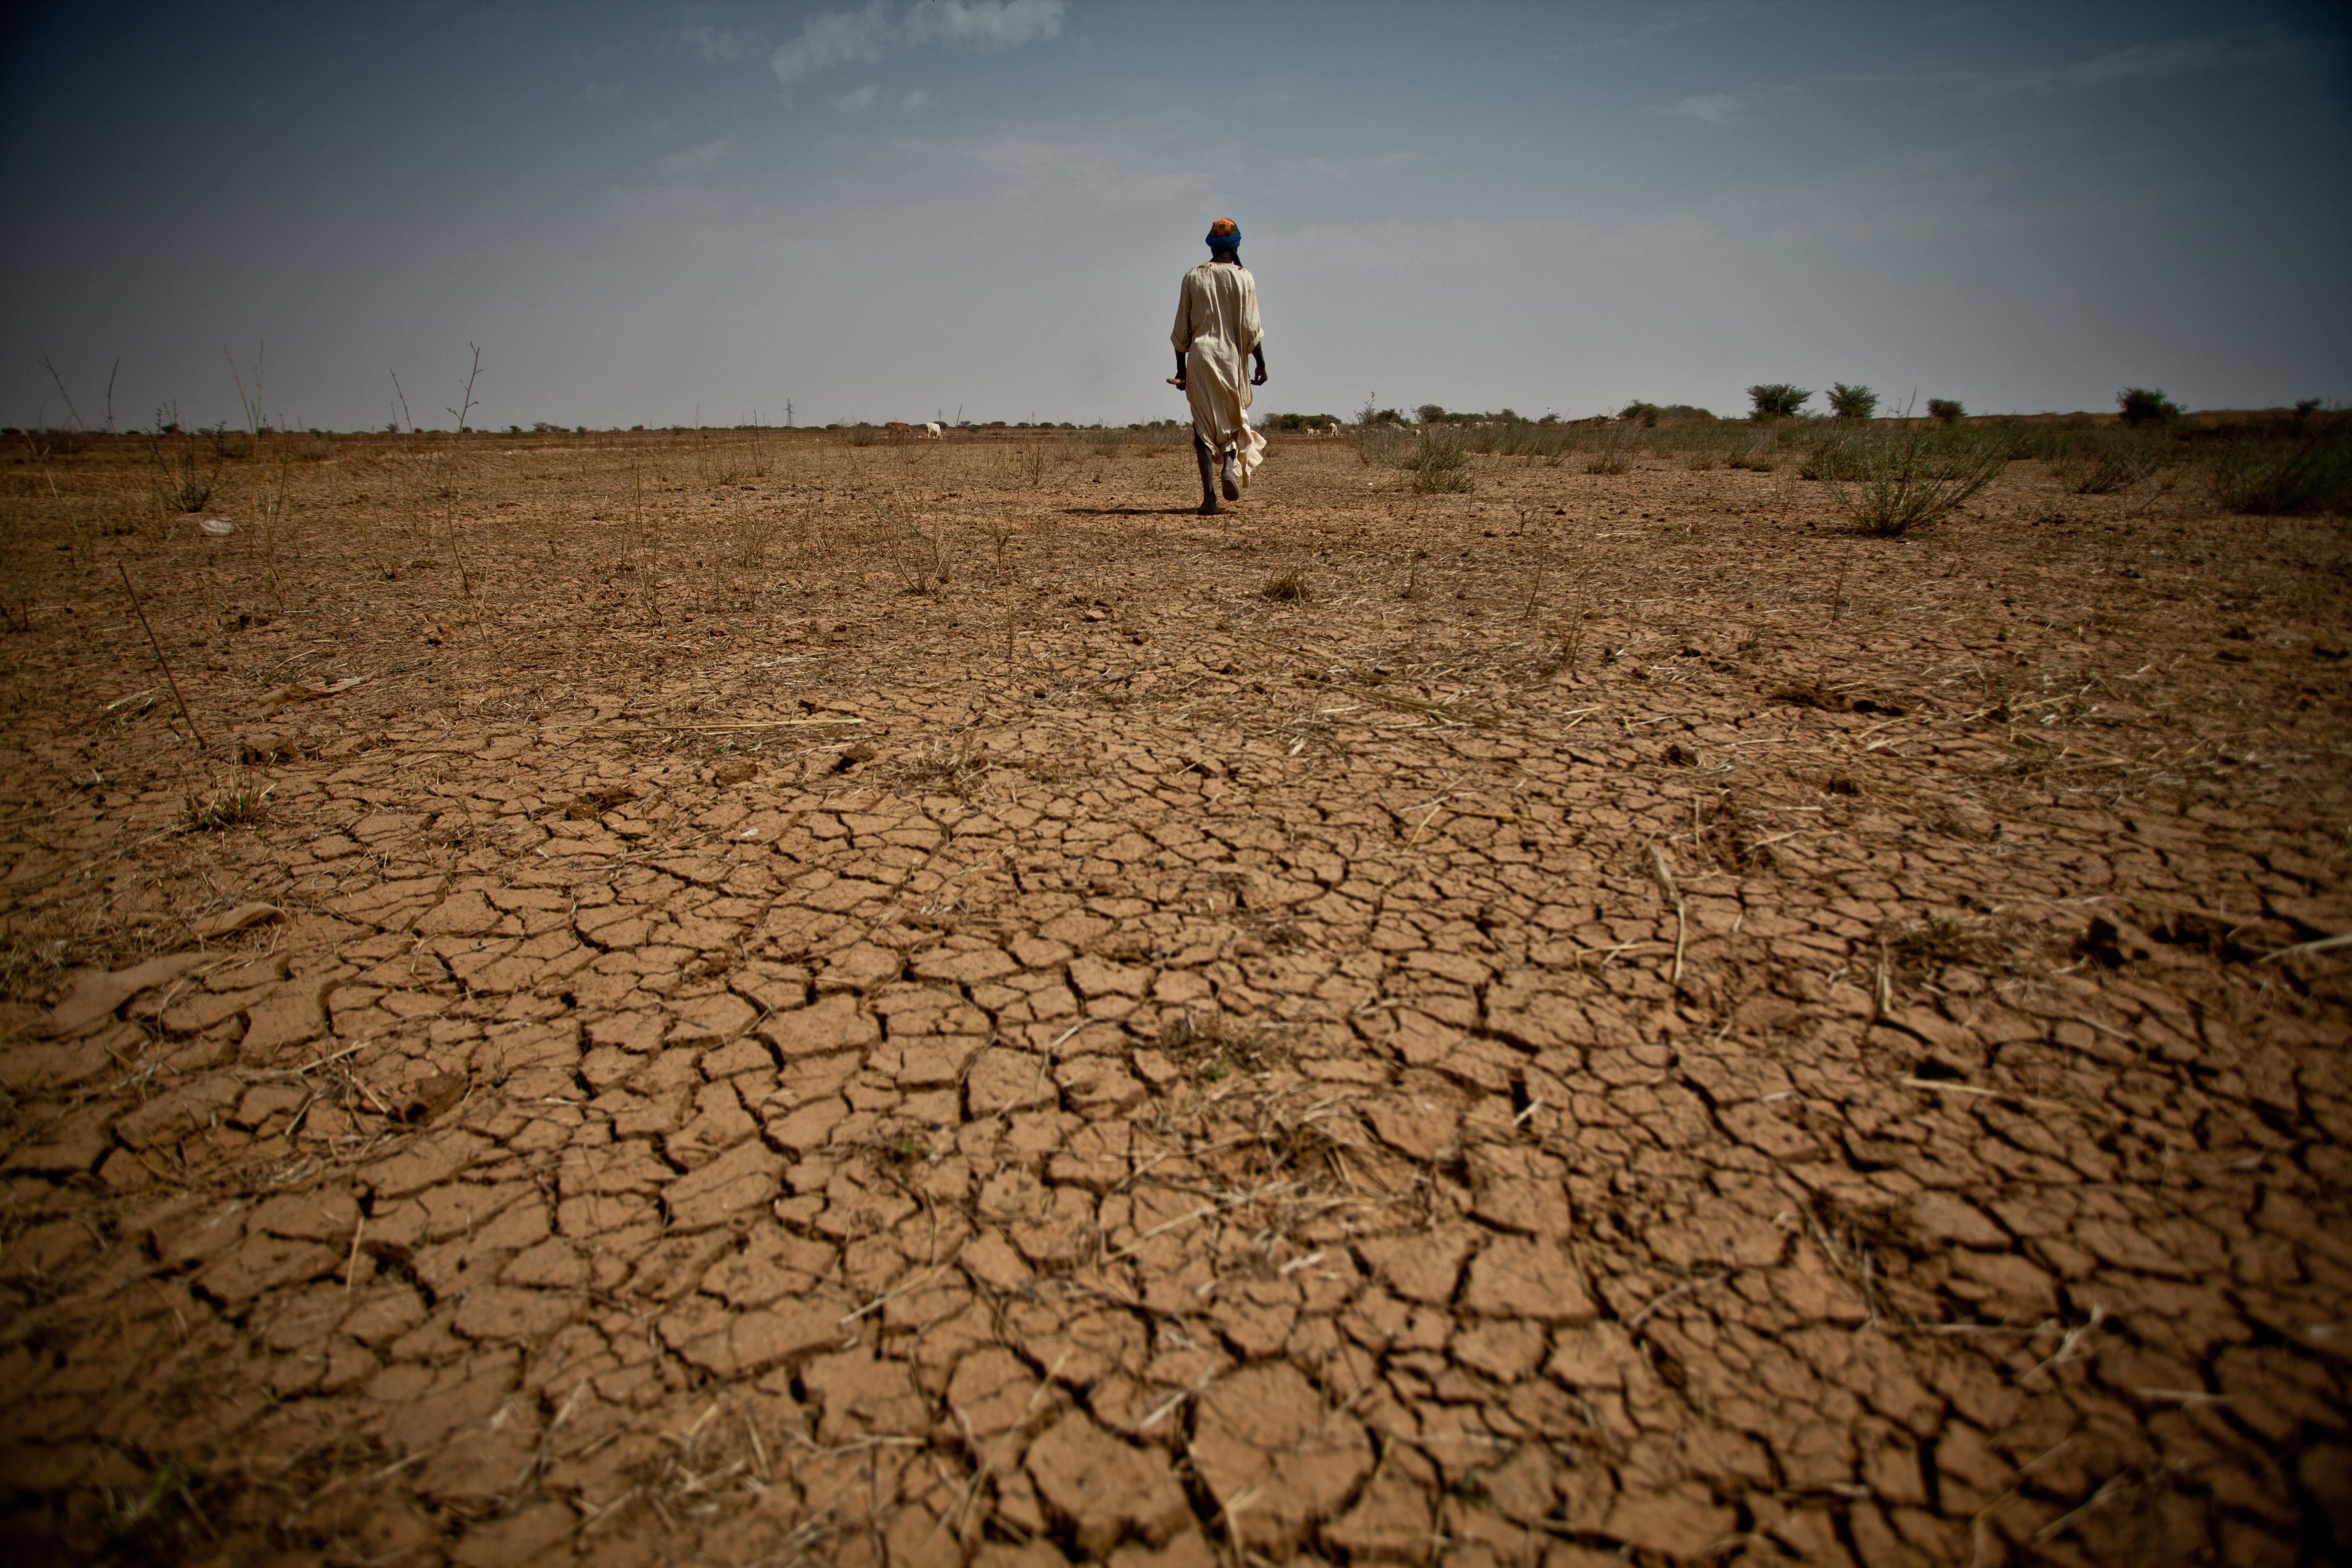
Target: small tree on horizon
{"points": [[2145, 406], [1777, 400], [1946, 409], [1851, 402], [1637, 412], [1432, 414]]}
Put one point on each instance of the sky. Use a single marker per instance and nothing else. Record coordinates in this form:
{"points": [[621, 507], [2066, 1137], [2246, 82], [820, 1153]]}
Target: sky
{"points": [[980, 209]]}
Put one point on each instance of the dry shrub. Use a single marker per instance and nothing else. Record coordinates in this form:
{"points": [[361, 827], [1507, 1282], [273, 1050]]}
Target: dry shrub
{"points": [[1921, 950], [2267, 478], [956, 769], [236, 803], [1890, 483], [2102, 466], [1440, 462], [1212, 1048], [1287, 587], [1614, 455]]}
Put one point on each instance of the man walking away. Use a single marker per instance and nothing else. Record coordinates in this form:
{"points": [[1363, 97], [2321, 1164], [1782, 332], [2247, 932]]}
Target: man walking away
{"points": [[1216, 329]]}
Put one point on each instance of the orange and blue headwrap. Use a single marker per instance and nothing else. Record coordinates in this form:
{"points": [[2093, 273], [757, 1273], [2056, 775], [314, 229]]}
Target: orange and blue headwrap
{"points": [[1225, 235]]}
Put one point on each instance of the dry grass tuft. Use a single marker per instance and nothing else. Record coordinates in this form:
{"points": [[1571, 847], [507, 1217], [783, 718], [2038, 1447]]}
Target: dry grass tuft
{"points": [[1210, 1047], [235, 805], [1287, 587]]}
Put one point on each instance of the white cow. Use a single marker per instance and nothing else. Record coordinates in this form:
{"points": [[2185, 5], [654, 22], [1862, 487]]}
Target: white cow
{"points": [[930, 429]]}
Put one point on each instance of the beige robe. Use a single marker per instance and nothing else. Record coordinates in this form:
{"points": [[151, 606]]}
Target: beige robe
{"points": [[1216, 328]]}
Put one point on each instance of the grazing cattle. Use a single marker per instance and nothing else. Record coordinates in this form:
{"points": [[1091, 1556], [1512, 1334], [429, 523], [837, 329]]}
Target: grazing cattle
{"points": [[899, 427], [931, 430]]}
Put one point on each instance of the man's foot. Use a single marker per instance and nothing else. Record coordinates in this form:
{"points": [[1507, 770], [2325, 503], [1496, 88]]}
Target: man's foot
{"points": [[1229, 478], [1209, 507]]}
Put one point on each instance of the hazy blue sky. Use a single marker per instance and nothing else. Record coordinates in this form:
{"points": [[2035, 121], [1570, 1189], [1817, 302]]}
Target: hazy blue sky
{"points": [[898, 211]]}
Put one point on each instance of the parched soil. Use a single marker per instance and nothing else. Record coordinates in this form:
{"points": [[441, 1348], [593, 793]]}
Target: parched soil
{"points": [[706, 1000]]}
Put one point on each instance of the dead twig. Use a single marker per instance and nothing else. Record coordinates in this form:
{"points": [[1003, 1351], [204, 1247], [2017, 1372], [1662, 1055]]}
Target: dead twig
{"points": [[1634, 1324], [1673, 896], [1937, 1086], [153, 642]]}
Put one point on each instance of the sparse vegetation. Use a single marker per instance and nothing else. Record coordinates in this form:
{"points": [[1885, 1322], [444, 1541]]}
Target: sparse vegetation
{"points": [[2113, 461], [1287, 587], [1440, 462], [1946, 409], [1614, 452], [2269, 478], [1378, 444], [1760, 454]]}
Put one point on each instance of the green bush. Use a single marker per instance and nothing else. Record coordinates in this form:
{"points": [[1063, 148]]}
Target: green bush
{"points": [[1851, 402], [1777, 400], [2144, 405], [1946, 409], [1637, 412]]}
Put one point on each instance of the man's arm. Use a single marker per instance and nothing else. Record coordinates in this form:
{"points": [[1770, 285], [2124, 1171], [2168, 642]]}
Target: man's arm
{"points": [[1182, 336], [1257, 376]]}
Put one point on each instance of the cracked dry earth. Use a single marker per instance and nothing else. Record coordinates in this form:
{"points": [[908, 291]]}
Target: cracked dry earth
{"points": [[1625, 1025]]}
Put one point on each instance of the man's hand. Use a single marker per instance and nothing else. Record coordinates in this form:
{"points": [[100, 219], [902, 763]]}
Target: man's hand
{"points": [[1177, 381], [1257, 371]]}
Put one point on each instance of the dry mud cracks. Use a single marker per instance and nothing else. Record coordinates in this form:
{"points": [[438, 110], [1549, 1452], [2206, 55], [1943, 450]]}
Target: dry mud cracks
{"points": [[1445, 1071]]}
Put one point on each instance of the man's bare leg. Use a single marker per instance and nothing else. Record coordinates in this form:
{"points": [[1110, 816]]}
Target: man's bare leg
{"points": [[1208, 481], [1229, 476]]}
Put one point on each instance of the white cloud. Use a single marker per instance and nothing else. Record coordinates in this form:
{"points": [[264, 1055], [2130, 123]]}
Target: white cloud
{"points": [[1708, 109], [717, 46], [915, 103], [2139, 60], [694, 159], [857, 101], [832, 38], [984, 23], [2144, 60]]}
